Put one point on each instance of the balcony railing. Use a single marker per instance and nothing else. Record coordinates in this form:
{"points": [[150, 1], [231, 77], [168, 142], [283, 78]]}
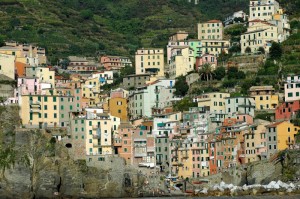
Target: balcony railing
{"points": [[97, 136]]}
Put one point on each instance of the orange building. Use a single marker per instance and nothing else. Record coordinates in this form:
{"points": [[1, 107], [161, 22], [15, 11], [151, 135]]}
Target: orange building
{"points": [[118, 107]]}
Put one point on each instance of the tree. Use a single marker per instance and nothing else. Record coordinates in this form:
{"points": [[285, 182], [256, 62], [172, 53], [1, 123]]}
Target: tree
{"points": [[235, 49], [261, 49], [206, 72], [234, 73], [220, 73], [248, 50], [86, 14], [184, 104], [181, 86], [275, 51]]}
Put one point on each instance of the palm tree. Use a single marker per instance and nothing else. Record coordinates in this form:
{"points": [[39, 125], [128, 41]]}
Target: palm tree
{"points": [[206, 72]]}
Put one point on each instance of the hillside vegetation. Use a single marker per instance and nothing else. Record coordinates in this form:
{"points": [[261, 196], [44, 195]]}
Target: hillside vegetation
{"points": [[92, 27]]}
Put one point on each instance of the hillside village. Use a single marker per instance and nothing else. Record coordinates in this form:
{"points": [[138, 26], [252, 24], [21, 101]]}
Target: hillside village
{"points": [[144, 110]]}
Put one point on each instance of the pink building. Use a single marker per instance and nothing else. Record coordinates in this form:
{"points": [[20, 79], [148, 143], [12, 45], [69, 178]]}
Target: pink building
{"points": [[27, 85], [206, 59], [114, 62], [244, 118]]}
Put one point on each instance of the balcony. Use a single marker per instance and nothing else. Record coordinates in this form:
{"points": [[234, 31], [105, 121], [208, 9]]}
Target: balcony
{"points": [[259, 146], [140, 154], [101, 145], [150, 149], [242, 155], [98, 136], [35, 110], [95, 127], [216, 119], [34, 103]]}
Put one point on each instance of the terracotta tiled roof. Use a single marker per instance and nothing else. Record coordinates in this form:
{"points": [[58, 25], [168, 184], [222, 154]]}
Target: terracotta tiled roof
{"points": [[214, 21], [274, 124]]}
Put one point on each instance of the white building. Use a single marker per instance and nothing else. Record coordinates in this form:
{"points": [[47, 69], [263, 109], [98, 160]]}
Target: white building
{"points": [[158, 94], [263, 9], [292, 88], [240, 105], [259, 34]]}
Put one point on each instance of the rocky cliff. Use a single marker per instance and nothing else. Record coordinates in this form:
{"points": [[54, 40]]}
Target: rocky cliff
{"points": [[42, 168]]}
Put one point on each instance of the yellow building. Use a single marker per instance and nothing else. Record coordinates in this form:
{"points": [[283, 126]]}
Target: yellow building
{"points": [[7, 65], [185, 167], [46, 110], [118, 107], [91, 91], [215, 47], [280, 136], [214, 102], [150, 60], [255, 147], [265, 97], [182, 61], [212, 29]]}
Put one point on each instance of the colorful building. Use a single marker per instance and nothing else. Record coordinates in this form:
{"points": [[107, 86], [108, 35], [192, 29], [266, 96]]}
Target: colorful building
{"points": [[265, 97]]}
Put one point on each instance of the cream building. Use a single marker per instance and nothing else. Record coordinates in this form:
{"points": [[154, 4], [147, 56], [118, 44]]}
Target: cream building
{"points": [[150, 61], [25, 53], [7, 65], [45, 75], [182, 61], [47, 109], [215, 102], [215, 47], [259, 34], [262, 9], [94, 131], [91, 91], [212, 29]]}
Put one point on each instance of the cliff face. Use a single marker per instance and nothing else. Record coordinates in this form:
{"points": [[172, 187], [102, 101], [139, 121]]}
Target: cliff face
{"points": [[48, 171]]}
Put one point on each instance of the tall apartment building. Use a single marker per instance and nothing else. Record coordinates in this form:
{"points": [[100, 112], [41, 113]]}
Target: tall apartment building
{"points": [[262, 9], [150, 60], [48, 109], [194, 44], [93, 131], [158, 94], [182, 61], [212, 29]]}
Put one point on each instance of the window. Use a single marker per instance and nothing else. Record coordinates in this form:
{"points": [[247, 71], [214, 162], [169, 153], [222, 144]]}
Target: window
{"points": [[90, 141], [45, 107], [55, 115], [290, 94], [45, 115], [54, 99], [46, 99]]}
